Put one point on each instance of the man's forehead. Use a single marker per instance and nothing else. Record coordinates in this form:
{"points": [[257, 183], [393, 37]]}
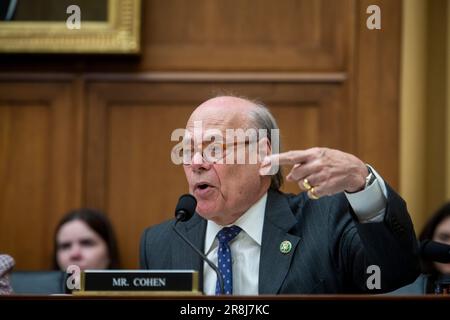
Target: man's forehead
{"points": [[222, 113], [226, 121], [200, 130], [218, 115]]}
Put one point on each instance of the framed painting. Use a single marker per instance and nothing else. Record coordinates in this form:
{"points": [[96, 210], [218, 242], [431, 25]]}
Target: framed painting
{"points": [[70, 26]]}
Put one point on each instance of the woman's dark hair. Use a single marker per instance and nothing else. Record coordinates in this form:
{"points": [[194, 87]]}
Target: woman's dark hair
{"points": [[428, 233], [98, 222]]}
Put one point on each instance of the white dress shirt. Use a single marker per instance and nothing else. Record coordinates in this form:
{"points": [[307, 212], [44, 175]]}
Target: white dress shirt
{"points": [[245, 251], [246, 247]]}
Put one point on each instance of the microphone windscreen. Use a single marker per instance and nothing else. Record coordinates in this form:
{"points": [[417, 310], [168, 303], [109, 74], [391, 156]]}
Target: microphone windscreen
{"points": [[435, 251], [186, 207]]}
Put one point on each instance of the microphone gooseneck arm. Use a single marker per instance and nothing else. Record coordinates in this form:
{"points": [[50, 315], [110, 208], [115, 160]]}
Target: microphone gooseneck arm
{"points": [[201, 254]]}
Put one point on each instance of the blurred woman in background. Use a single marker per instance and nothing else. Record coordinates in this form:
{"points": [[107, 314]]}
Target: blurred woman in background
{"points": [[437, 229], [435, 275], [85, 237]]}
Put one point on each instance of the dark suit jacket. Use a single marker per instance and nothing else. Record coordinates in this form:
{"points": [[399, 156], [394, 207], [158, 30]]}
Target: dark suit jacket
{"points": [[330, 249]]}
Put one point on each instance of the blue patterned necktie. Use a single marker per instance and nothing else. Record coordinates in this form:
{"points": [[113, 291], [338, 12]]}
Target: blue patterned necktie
{"points": [[224, 258]]}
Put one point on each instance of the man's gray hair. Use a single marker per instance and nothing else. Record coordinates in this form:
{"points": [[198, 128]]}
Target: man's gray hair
{"points": [[263, 119]]}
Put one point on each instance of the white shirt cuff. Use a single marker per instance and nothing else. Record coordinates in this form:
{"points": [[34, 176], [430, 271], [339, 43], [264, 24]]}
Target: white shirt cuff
{"points": [[369, 204]]}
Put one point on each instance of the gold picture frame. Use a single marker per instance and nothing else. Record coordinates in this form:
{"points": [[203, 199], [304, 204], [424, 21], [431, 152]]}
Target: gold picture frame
{"points": [[120, 34]]}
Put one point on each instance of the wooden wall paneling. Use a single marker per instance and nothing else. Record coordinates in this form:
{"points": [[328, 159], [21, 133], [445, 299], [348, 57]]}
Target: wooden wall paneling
{"points": [[286, 35], [94, 179], [138, 186], [376, 88], [40, 167], [222, 35]]}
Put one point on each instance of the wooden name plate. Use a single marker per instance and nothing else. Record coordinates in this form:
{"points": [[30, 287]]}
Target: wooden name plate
{"points": [[138, 282]]}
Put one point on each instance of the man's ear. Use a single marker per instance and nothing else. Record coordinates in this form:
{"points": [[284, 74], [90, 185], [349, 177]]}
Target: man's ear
{"points": [[264, 149]]}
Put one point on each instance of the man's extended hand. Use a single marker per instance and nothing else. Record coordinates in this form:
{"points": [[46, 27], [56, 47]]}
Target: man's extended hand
{"points": [[328, 171]]}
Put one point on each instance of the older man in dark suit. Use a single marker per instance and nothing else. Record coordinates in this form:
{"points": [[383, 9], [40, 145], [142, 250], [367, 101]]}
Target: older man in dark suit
{"points": [[349, 232]]}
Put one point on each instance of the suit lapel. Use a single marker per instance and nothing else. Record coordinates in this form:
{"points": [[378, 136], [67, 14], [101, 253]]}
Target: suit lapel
{"points": [[274, 265], [185, 256]]}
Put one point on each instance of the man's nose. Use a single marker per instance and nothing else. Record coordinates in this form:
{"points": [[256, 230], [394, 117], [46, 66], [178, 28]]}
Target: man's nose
{"points": [[199, 163]]}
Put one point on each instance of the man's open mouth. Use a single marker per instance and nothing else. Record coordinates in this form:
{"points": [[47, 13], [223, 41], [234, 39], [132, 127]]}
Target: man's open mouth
{"points": [[202, 186]]}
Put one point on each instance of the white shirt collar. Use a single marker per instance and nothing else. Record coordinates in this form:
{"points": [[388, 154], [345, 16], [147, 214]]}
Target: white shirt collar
{"points": [[251, 222]]}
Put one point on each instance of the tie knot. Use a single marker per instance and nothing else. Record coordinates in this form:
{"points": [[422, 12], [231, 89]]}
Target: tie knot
{"points": [[228, 233]]}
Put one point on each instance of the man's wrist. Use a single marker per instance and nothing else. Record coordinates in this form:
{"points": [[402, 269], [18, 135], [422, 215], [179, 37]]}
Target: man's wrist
{"points": [[363, 180], [370, 177], [369, 204]]}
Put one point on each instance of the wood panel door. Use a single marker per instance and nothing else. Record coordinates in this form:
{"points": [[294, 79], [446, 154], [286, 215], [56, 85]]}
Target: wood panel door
{"points": [[244, 35], [40, 167]]}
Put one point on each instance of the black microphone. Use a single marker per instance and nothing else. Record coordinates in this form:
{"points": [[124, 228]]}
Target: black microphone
{"points": [[435, 251], [183, 212], [185, 207]]}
